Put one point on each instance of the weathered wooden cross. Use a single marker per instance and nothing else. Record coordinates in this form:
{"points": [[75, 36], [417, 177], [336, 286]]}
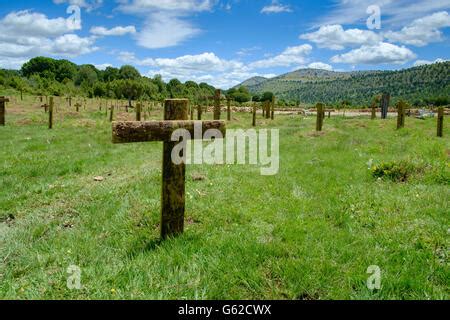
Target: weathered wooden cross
{"points": [[217, 97], [3, 101], [173, 175]]}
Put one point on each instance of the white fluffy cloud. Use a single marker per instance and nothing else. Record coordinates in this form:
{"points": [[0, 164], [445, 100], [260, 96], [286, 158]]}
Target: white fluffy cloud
{"points": [[394, 12], [422, 31], [382, 53], [87, 4], [336, 38], [166, 22], [116, 31], [290, 57], [205, 67], [35, 24], [26, 34], [276, 7]]}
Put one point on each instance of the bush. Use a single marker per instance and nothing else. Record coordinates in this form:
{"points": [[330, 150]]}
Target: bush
{"points": [[395, 171]]}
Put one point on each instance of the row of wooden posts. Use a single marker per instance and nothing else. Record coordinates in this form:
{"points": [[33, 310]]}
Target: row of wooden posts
{"points": [[401, 116]]}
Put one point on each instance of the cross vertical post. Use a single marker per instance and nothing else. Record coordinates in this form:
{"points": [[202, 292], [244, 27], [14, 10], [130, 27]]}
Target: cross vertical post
{"points": [[229, 109], [173, 176], [3, 101], [254, 115]]}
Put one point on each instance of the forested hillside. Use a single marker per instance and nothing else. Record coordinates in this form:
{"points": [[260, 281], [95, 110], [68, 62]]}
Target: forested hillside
{"points": [[416, 85]]}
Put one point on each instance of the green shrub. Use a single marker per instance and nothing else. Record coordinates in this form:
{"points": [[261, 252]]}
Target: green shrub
{"points": [[396, 171]]}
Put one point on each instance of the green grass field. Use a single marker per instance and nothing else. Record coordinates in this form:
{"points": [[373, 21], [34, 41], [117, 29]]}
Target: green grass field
{"points": [[309, 232]]}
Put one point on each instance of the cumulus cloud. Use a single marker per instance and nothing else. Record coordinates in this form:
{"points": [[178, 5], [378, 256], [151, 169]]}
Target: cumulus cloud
{"points": [[289, 57], [336, 38], [87, 4], [204, 67], [422, 31], [26, 34], [276, 7], [116, 31], [166, 22], [382, 53]]}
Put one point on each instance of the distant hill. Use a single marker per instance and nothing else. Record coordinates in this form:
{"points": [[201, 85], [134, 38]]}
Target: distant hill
{"points": [[253, 81], [313, 85]]}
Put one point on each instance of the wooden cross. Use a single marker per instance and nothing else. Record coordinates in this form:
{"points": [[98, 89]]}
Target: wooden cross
{"points": [[217, 98], [173, 175], [3, 101]]}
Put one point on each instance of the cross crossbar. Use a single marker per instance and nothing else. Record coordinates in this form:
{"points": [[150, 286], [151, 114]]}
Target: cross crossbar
{"points": [[135, 131]]}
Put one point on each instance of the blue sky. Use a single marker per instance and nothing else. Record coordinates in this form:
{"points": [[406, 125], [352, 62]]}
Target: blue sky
{"points": [[224, 42]]}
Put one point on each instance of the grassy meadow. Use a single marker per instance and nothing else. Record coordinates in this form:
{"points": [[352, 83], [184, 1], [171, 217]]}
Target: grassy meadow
{"points": [[309, 232]]}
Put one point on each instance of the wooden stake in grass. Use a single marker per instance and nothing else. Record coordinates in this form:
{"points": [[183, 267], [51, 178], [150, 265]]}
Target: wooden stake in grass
{"points": [[401, 108], [272, 113], [320, 115], [192, 111], [173, 175], [440, 122], [77, 106], [229, 109], [3, 101], [199, 112], [385, 105], [217, 110], [111, 113], [374, 111], [254, 115], [263, 109], [138, 112], [266, 107], [50, 114]]}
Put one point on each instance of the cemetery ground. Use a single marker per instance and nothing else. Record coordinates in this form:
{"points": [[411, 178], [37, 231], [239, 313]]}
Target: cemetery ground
{"points": [[309, 232]]}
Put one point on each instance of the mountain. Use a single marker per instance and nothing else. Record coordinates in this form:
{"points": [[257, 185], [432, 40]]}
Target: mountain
{"points": [[313, 85], [253, 81]]}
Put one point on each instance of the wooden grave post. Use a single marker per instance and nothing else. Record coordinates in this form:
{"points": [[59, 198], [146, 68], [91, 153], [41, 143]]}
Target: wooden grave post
{"points": [[199, 112], [50, 114], [320, 115], [385, 105], [401, 109], [374, 111], [111, 113], [254, 115], [173, 175], [272, 111], [440, 122], [138, 111], [217, 110], [3, 101], [228, 109]]}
